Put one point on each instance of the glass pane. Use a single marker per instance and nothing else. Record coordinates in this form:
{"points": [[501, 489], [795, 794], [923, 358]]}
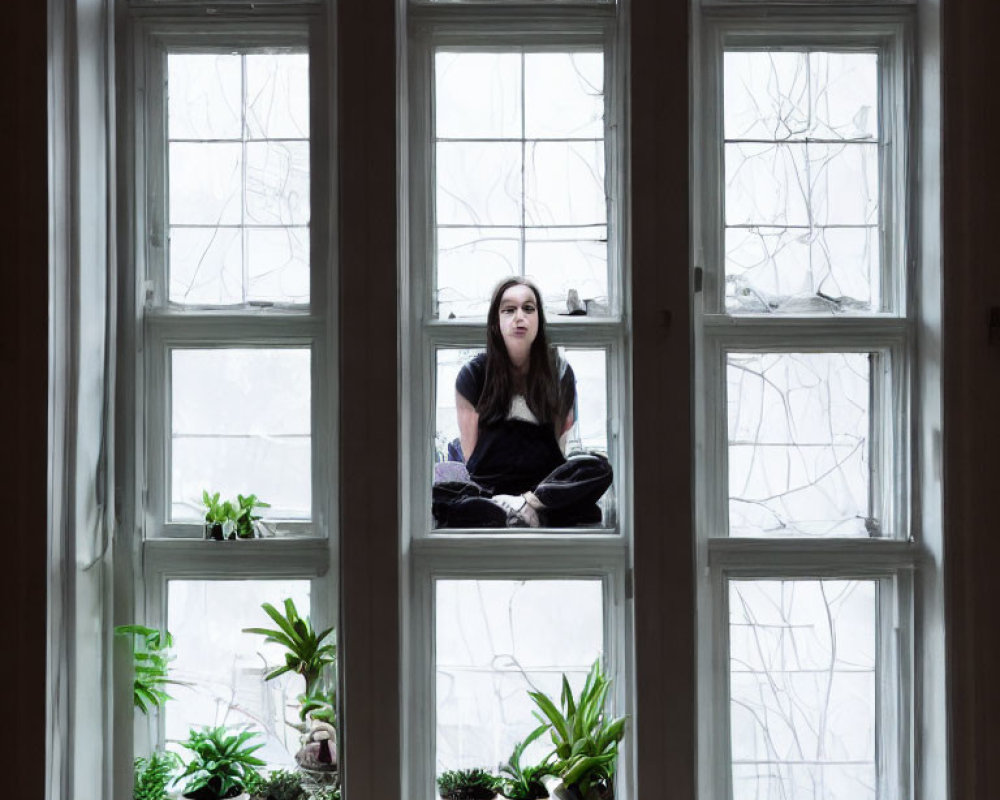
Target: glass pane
{"points": [[802, 208], [479, 183], [825, 270], [224, 668], [252, 172], [799, 444], [240, 423], [802, 677], [477, 95], [564, 184], [205, 183], [277, 96], [278, 264], [564, 95], [520, 177], [496, 640], [206, 265], [277, 183], [204, 94]]}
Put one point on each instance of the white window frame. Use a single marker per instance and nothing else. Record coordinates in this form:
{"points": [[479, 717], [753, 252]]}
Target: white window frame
{"points": [[164, 550], [894, 556], [429, 554]]}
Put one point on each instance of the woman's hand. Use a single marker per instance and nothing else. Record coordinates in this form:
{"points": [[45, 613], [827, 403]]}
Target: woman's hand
{"points": [[468, 425]]}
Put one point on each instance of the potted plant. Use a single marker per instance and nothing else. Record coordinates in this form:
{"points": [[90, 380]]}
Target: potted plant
{"points": [[313, 656], [219, 517], [152, 775], [150, 665], [245, 519], [525, 782], [223, 765], [227, 520], [467, 784], [280, 785], [585, 738]]}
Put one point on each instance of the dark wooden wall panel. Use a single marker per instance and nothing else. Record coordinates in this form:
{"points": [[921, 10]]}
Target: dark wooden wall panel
{"points": [[971, 177], [369, 334], [661, 401], [23, 394]]}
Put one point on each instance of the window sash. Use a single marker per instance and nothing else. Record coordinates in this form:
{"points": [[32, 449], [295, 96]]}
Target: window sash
{"points": [[894, 676], [889, 35], [526, 34], [893, 558], [889, 410], [492, 560]]}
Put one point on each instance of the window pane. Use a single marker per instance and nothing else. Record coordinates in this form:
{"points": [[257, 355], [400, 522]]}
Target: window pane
{"points": [[239, 205], [495, 641], [225, 668], [802, 677], [520, 177], [802, 209], [799, 444], [240, 423]]}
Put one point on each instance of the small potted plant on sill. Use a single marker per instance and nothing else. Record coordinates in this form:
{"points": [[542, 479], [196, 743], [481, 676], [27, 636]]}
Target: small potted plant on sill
{"points": [[223, 765], [525, 782], [467, 784], [227, 520], [586, 739]]}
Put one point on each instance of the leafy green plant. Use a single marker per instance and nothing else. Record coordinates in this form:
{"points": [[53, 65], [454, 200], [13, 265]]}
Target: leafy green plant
{"points": [[150, 665], [524, 782], [151, 776], [229, 520], [307, 652], [586, 740], [219, 516], [280, 785], [223, 765], [467, 784], [326, 793], [244, 516]]}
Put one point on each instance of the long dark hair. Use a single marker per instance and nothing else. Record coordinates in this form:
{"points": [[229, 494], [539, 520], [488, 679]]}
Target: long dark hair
{"points": [[542, 383]]}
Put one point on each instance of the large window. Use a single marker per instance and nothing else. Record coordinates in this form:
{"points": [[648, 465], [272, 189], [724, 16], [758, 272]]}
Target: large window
{"points": [[806, 352], [233, 389], [514, 143]]}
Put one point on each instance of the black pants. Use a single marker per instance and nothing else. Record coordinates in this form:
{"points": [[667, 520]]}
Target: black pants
{"points": [[569, 495]]}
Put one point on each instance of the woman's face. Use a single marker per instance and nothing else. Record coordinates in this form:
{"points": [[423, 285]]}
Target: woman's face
{"points": [[518, 319]]}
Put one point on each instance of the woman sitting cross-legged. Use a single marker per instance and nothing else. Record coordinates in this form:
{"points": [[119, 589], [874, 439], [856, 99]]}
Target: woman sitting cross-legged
{"points": [[515, 406]]}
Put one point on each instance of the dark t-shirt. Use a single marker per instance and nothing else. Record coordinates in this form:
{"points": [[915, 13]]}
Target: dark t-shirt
{"points": [[514, 455]]}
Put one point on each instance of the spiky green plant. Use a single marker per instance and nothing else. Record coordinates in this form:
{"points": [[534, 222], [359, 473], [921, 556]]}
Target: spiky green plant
{"points": [[223, 764], [306, 653], [150, 665], [467, 784], [152, 775], [586, 740], [524, 782]]}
